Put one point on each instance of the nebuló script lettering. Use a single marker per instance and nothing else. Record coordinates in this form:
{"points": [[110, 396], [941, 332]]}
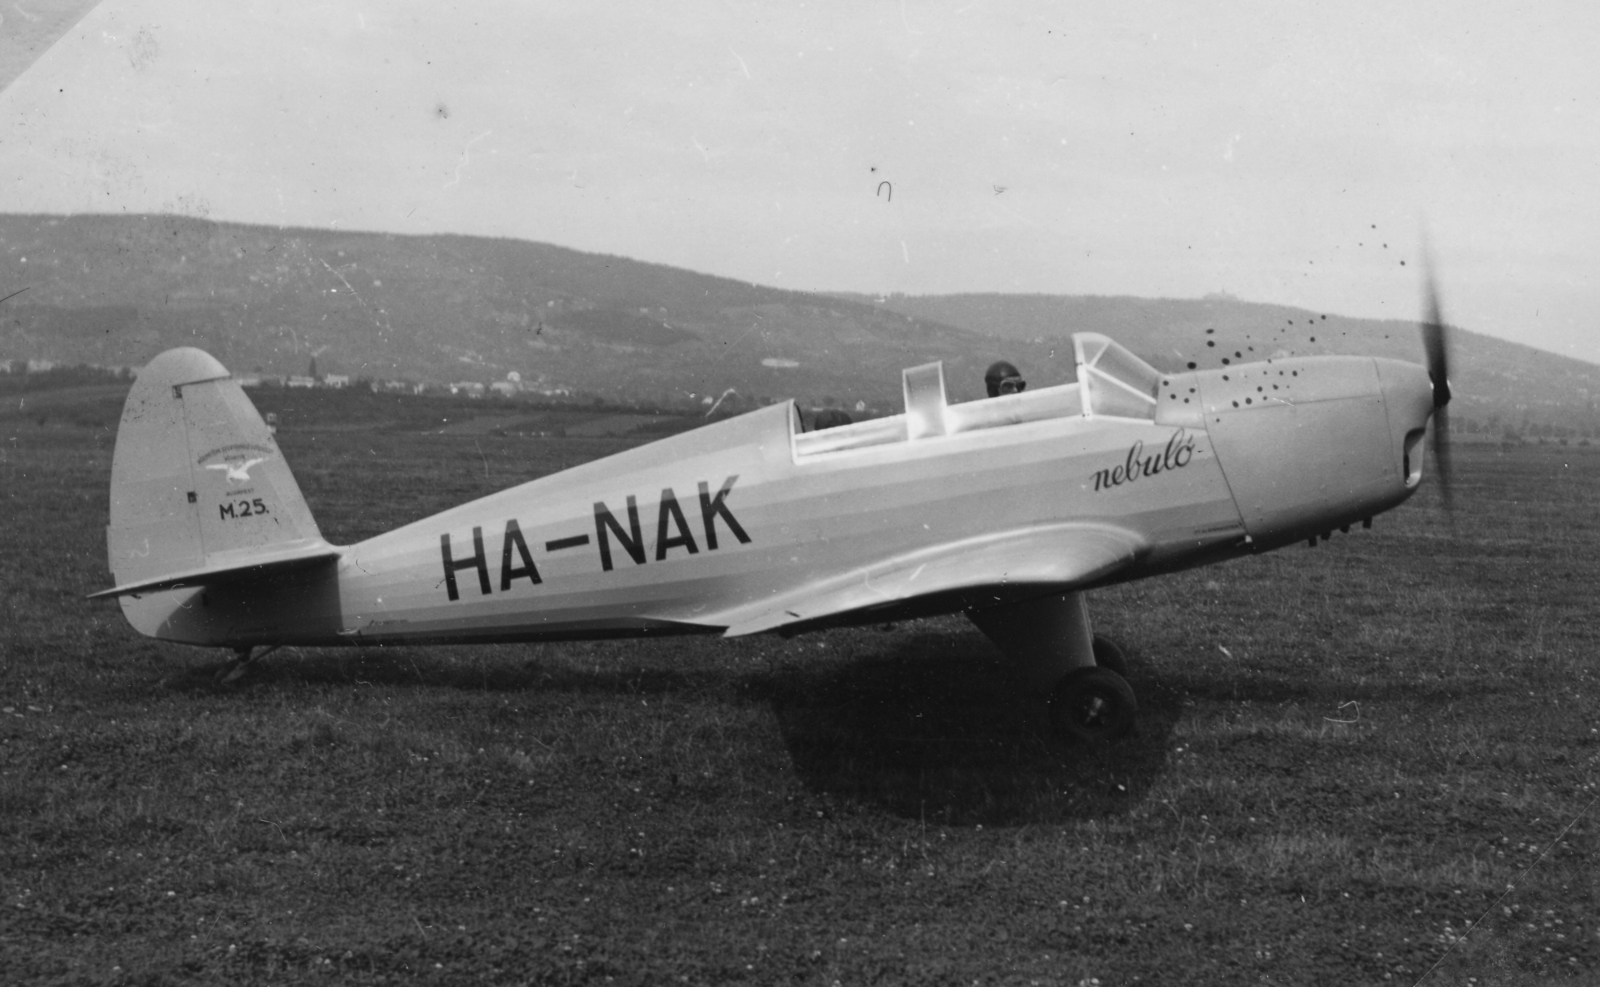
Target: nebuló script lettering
{"points": [[1177, 454]]}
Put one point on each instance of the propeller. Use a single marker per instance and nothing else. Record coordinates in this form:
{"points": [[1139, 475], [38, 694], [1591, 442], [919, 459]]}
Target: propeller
{"points": [[1437, 350]]}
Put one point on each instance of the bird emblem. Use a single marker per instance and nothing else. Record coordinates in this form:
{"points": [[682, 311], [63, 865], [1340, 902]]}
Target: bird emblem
{"points": [[240, 473]]}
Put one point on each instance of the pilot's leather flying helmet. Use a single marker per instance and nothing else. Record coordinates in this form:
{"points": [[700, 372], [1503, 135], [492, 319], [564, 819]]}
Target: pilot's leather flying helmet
{"points": [[1003, 378]]}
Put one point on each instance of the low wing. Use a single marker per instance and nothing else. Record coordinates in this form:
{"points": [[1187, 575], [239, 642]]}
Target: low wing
{"points": [[1056, 556], [253, 564]]}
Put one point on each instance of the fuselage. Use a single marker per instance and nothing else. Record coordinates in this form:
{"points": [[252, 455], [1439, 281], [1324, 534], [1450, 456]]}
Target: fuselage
{"points": [[677, 535]]}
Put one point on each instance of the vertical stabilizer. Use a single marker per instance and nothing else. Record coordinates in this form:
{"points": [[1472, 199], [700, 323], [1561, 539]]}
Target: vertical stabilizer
{"points": [[197, 480]]}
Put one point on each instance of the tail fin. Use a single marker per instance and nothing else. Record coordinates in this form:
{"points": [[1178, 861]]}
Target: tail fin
{"points": [[199, 490]]}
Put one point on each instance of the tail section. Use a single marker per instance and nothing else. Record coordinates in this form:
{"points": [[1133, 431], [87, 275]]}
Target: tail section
{"points": [[200, 493]]}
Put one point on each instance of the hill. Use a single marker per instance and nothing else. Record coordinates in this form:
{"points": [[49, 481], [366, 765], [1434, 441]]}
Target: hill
{"points": [[1498, 384], [115, 290]]}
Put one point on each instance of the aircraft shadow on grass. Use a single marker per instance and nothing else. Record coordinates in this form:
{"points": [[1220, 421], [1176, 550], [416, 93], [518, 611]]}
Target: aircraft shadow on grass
{"points": [[936, 732], [933, 727]]}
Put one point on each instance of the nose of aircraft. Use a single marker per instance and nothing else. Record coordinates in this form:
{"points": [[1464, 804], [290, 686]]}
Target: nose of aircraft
{"points": [[1408, 396], [1310, 444]]}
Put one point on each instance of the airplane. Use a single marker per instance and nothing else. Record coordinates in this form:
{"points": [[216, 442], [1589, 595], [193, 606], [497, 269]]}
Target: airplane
{"points": [[1009, 509]]}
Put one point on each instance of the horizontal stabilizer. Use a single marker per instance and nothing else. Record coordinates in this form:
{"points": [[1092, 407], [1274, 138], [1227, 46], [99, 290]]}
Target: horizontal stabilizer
{"points": [[253, 564], [1052, 556]]}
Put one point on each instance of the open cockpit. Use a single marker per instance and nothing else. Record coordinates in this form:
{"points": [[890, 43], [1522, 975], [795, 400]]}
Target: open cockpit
{"points": [[1112, 383]]}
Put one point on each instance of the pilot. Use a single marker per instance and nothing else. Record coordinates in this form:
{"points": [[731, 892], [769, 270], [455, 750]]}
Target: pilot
{"points": [[1003, 378], [829, 418]]}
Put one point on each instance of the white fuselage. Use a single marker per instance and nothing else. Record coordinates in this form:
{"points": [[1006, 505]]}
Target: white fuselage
{"points": [[698, 532]]}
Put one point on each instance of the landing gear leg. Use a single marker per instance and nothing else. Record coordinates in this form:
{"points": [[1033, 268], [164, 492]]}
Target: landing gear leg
{"points": [[1053, 640], [237, 668]]}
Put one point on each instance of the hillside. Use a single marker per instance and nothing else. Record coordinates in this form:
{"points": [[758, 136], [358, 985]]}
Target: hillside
{"points": [[115, 290]]}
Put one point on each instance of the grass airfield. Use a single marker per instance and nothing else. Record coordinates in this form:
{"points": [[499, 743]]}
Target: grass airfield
{"points": [[1344, 758]]}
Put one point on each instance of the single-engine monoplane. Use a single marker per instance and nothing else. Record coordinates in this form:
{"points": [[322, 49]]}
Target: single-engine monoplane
{"points": [[1007, 509]]}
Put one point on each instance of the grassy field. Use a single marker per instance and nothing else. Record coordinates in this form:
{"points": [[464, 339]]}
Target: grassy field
{"points": [[1345, 758]]}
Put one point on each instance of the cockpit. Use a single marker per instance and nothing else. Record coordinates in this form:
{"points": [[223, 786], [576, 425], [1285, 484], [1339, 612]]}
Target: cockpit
{"points": [[1112, 382]]}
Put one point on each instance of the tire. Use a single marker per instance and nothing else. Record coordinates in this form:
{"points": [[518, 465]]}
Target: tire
{"points": [[1093, 706], [1109, 656]]}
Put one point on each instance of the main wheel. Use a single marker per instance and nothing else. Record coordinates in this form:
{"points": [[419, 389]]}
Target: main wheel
{"points": [[1093, 705], [1110, 656]]}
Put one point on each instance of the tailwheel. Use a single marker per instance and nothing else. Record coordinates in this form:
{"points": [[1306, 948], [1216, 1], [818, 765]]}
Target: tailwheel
{"points": [[236, 669], [1093, 705], [1109, 656]]}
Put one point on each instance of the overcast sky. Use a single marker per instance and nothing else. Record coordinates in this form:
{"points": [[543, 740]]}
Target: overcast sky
{"points": [[1278, 151]]}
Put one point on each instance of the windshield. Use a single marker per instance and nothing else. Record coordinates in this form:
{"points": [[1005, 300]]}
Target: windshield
{"points": [[1114, 381]]}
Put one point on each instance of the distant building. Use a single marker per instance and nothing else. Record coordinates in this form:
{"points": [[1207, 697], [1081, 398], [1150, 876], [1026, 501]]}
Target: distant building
{"points": [[504, 388], [247, 380], [39, 366], [301, 380], [470, 388], [336, 380]]}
